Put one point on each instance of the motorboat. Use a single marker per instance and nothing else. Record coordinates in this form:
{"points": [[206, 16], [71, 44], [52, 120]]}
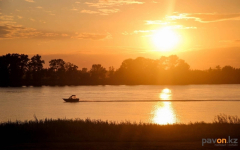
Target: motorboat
{"points": [[72, 98]]}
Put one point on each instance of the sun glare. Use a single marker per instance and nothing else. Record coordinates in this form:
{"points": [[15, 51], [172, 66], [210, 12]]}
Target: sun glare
{"points": [[163, 112], [165, 39]]}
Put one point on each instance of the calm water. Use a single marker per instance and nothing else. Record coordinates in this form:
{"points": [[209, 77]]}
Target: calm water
{"points": [[46, 102]]}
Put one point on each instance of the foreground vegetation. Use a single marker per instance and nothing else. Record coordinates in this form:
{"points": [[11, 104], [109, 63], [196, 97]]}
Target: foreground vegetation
{"points": [[97, 134], [68, 130], [19, 70]]}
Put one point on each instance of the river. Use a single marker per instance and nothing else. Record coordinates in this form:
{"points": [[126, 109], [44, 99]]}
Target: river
{"points": [[141, 103]]}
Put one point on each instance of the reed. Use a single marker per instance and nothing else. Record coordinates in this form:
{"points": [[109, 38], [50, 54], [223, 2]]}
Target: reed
{"points": [[79, 130]]}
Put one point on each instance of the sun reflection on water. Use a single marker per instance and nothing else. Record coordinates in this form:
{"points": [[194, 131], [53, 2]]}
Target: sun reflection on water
{"points": [[163, 112]]}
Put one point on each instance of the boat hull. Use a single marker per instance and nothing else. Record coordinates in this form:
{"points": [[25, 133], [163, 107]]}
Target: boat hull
{"points": [[71, 100]]}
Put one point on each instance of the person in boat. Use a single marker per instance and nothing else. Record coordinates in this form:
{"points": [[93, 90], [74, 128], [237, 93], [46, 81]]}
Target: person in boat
{"points": [[72, 97]]}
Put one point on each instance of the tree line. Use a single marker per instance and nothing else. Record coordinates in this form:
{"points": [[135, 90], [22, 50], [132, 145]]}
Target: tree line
{"points": [[20, 70]]}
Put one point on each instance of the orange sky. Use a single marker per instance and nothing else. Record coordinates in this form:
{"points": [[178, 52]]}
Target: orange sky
{"points": [[108, 31]]}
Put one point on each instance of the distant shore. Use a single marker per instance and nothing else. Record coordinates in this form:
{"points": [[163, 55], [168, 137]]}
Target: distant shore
{"points": [[61, 85], [103, 134], [19, 70]]}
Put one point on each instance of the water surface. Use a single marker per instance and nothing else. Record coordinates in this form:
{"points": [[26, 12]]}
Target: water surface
{"points": [[46, 102]]}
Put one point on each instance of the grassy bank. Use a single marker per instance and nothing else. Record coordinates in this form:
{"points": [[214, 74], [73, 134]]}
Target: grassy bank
{"points": [[85, 131]]}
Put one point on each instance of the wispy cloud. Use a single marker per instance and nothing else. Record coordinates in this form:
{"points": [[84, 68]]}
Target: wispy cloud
{"points": [[106, 7], [108, 11], [49, 12], [16, 31], [93, 36], [42, 21], [205, 17], [175, 21], [101, 11], [181, 27], [142, 32], [32, 19], [146, 33], [150, 22], [64, 35], [89, 11], [31, 1], [111, 3], [74, 9], [6, 18], [11, 30], [19, 17]]}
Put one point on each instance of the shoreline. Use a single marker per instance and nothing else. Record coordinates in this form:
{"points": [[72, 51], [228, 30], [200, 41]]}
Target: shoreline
{"points": [[59, 85], [81, 133]]}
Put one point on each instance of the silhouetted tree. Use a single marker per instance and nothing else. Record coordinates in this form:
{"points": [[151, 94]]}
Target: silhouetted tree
{"points": [[35, 67], [57, 71], [15, 66], [72, 75], [84, 76], [4, 71], [56, 65], [98, 72], [18, 70]]}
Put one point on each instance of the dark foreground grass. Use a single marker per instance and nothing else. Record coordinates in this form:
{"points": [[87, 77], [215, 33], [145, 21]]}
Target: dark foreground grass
{"points": [[97, 134]]}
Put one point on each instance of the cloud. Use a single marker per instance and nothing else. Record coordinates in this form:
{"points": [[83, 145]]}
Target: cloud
{"points": [[147, 33], [215, 17], [144, 32], [6, 18], [205, 17], [19, 17], [153, 22], [16, 31], [93, 36], [42, 21], [31, 1], [10, 30], [106, 7], [74, 9], [175, 21], [108, 11], [181, 27], [50, 34], [101, 11], [64, 35], [111, 3], [89, 12], [49, 12]]}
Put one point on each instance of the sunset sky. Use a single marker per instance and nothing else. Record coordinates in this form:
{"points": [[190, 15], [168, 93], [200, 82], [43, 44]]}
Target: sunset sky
{"points": [[204, 33]]}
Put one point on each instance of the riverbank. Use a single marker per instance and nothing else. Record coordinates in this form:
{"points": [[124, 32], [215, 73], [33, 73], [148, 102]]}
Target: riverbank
{"points": [[97, 134], [112, 146]]}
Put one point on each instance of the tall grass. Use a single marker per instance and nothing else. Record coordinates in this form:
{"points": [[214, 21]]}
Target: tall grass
{"points": [[70, 130], [223, 118]]}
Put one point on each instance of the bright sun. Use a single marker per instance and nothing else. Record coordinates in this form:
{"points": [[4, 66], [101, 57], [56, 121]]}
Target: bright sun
{"points": [[165, 39]]}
